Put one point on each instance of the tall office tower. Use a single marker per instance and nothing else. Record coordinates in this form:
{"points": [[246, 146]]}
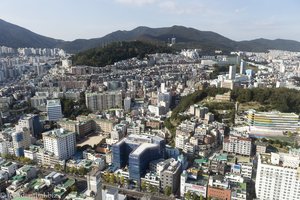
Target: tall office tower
{"points": [[278, 176], [94, 184], [103, 101], [232, 72], [32, 123], [60, 142], [54, 110], [243, 67]]}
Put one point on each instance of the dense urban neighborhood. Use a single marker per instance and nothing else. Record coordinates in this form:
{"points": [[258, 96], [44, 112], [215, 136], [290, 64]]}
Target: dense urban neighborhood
{"points": [[179, 124]]}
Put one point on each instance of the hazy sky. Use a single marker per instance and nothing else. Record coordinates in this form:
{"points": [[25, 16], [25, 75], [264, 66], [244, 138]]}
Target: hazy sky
{"points": [[236, 19]]}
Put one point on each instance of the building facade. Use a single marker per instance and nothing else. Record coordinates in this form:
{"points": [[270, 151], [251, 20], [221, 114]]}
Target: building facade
{"points": [[54, 110], [60, 142]]}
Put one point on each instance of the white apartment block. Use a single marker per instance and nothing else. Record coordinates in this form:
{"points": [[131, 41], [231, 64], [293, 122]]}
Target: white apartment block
{"points": [[60, 142], [246, 170], [181, 140], [278, 177], [237, 145]]}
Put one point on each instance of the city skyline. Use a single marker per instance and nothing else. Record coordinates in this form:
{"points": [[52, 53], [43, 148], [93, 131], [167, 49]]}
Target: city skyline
{"points": [[69, 20]]}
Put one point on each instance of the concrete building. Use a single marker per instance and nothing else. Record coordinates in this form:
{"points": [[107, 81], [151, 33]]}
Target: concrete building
{"points": [[20, 140], [54, 110], [60, 142], [238, 145], [193, 183], [32, 123], [182, 137], [9, 167], [103, 101], [232, 72], [94, 184], [82, 128], [218, 188], [277, 176], [273, 120], [127, 104], [99, 124], [261, 147], [243, 67], [170, 176]]}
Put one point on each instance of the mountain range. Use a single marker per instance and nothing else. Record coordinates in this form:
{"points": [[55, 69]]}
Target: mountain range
{"points": [[15, 36]]}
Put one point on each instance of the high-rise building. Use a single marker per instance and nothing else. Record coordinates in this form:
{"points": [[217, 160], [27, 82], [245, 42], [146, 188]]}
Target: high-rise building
{"points": [[103, 101], [60, 142], [127, 104], [54, 110], [278, 176], [20, 141], [137, 151], [232, 72], [243, 67], [32, 123]]}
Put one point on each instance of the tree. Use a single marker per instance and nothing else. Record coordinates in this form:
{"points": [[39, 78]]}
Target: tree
{"points": [[106, 176], [201, 197], [82, 171], [112, 179], [143, 185], [188, 195], [57, 167], [122, 180], [74, 188], [168, 191]]}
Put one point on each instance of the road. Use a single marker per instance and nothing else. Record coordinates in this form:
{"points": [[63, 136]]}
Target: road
{"points": [[137, 194]]}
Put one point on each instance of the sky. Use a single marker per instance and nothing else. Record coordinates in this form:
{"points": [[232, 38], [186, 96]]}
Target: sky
{"points": [[235, 19]]}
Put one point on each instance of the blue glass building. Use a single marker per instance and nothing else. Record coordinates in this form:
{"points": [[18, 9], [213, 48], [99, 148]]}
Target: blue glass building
{"points": [[137, 151]]}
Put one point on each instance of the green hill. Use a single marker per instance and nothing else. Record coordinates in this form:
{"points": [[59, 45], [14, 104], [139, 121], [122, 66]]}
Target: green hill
{"points": [[117, 51]]}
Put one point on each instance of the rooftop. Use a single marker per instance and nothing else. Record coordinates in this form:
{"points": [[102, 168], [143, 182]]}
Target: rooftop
{"points": [[201, 161], [142, 148], [57, 133], [53, 102]]}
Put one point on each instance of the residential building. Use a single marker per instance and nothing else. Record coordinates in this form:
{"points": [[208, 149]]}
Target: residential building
{"points": [[103, 101], [238, 145], [60, 142], [170, 176], [218, 188], [232, 72], [277, 176], [94, 184], [192, 181]]}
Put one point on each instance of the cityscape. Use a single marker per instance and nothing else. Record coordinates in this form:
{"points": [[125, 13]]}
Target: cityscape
{"points": [[150, 113]]}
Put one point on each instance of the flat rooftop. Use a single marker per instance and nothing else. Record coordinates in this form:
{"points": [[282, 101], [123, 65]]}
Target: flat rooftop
{"points": [[53, 102], [57, 133], [142, 148]]}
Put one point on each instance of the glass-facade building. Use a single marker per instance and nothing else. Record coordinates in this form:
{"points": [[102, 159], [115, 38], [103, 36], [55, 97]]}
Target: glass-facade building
{"points": [[137, 151]]}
